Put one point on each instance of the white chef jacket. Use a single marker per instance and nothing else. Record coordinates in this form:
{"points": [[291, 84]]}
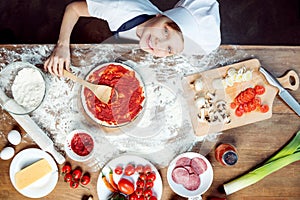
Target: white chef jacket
{"points": [[117, 12]]}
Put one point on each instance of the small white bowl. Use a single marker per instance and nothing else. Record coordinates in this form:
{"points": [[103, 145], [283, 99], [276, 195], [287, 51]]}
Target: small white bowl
{"points": [[71, 152], [205, 179], [21, 95]]}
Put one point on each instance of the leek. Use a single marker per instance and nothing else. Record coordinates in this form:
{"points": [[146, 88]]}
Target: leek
{"points": [[289, 154]]}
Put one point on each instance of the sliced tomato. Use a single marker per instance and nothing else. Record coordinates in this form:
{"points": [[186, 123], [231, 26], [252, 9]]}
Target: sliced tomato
{"points": [[239, 112], [257, 101], [259, 89], [246, 107], [264, 108], [251, 105], [232, 105]]}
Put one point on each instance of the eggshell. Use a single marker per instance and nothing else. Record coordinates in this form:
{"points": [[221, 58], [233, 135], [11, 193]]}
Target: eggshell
{"points": [[14, 137], [7, 153]]}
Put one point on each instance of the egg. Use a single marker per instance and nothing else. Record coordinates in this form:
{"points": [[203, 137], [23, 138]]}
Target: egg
{"points": [[14, 137], [7, 153]]}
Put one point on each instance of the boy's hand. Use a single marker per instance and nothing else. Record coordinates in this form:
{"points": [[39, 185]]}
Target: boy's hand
{"points": [[58, 60]]}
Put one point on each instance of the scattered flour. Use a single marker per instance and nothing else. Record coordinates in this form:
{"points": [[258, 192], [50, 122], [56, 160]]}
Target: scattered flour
{"points": [[60, 112], [28, 88]]}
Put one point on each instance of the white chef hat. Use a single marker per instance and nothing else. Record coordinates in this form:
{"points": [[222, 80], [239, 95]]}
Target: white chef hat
{"points": [[199, 22]]}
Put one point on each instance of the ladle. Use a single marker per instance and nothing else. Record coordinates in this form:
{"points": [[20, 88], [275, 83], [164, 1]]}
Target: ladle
{"points": [[102, 92]]}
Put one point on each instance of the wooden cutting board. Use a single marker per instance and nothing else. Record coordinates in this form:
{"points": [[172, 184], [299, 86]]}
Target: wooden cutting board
{"points": [[210, 80]]}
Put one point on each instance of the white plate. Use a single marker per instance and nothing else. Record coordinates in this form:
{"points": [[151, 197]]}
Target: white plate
{"points": [[102, 190], [41, 187], [206, 177]]}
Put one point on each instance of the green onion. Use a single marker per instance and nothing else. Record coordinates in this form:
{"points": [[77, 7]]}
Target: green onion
{"points": [[289, 154]]}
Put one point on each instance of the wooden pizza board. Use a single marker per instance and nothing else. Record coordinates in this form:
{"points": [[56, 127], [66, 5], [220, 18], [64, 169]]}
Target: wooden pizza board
{"points": [[228, 94]]}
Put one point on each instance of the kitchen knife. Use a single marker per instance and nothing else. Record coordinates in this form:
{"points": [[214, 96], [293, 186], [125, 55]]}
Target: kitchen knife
{"points": [[283, 93], [32, 129]]}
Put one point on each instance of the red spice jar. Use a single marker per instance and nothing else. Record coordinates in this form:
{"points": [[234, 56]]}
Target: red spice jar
{"points": [[226, 154]]}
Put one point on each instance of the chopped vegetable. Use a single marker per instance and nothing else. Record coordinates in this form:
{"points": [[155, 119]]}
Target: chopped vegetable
{"points": [[289, 154]]}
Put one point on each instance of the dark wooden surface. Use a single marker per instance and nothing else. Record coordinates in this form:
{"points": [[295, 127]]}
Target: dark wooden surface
{"points": [[254, 142]]}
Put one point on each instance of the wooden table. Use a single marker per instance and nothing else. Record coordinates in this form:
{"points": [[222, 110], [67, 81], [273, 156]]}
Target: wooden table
{"points": [[255, 142]]}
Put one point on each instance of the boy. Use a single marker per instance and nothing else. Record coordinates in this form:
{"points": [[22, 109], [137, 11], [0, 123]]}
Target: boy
{"points": [[191, 27]]}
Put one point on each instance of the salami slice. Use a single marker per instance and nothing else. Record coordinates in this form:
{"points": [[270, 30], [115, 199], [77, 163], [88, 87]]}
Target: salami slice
{"points": [[184, 161], [180, 175], [193, 183], [190, 169], [199, 165]]}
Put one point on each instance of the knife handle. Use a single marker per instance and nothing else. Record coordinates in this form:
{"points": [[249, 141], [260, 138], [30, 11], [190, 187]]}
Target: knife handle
{"points": [[290, 80]]}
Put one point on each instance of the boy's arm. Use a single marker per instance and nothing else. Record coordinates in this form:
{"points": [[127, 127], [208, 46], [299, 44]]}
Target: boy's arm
{"points": [[60, 57]]}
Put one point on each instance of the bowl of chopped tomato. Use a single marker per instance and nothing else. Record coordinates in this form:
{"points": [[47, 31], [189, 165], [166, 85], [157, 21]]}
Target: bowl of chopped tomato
{"points": [[79, 145], [122, 108]]}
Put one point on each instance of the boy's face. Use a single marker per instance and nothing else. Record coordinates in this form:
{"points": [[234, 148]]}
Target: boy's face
{"points": [[158, 38]]}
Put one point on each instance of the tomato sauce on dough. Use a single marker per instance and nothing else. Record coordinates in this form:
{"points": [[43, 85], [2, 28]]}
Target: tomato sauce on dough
{"points": [[129, 100]]}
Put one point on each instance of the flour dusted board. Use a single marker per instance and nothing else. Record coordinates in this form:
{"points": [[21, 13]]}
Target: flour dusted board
{"points": [[211, 88]]}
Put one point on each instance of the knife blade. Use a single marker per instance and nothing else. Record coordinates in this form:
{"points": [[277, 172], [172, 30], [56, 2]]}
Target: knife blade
{"points": [[32, 129], [283, 93]]}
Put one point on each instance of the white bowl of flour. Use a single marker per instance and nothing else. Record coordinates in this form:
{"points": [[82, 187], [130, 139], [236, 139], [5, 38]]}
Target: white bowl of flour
{"points": [[25, 84]]}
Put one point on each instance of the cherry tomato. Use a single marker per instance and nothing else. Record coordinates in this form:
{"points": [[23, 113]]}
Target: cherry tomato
{"points": [[119, 170], [143, 177], [251, 105], [259, 89], [68, 177], [153, 198], [139, 169], [129, 170], [147, 193], [77, 174], [85, 179], [141, 197], [139, 191], [66, 169], [74, 184], [125, 186], [140, 183], [147, 169], [133, 196], [264, 108], [151, 176], [149, 184]]}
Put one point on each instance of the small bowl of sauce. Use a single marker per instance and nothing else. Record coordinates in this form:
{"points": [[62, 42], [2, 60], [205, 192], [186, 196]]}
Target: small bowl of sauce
{"points": [[79, 145]]}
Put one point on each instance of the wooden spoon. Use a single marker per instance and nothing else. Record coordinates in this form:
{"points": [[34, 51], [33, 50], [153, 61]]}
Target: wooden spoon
{"points": [[102, 92]]}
